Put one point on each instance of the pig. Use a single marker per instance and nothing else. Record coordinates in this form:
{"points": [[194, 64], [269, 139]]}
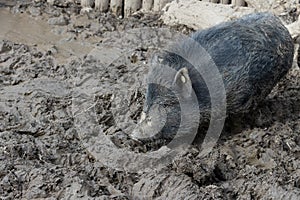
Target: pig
{"points": [[252, 54]]}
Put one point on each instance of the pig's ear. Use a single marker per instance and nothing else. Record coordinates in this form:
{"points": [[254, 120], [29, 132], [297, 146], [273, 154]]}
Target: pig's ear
{"points": [[182, 82]]}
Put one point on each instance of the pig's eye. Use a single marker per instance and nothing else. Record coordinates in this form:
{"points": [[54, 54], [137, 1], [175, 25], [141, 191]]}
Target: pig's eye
{"points": [[167, 104]]}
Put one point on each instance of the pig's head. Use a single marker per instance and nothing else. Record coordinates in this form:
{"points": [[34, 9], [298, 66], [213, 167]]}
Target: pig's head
{"points": [[169, 86]]}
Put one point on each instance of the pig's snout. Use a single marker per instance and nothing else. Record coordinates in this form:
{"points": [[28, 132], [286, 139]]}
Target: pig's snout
{"points": [[150, 125]]}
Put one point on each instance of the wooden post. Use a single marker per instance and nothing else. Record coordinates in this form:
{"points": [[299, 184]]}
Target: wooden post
{"points": [[131, 6], [86, 3], [225, 1], [102, 5], [116, 7], [148, 5], [238, 2]]}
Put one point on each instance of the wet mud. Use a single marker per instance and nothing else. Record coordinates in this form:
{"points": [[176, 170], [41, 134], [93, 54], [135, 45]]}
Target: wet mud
{"points": [[63, 107]]}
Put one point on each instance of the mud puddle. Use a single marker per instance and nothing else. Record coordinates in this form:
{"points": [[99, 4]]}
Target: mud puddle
{"points": [[24, 29]]}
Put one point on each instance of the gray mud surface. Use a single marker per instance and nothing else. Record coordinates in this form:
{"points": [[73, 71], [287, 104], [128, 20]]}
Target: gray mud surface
{"points": [[62, 73]]}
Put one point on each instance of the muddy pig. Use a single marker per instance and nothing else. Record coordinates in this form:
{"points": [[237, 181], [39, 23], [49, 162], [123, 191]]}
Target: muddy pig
{"points": [[251, 53]]}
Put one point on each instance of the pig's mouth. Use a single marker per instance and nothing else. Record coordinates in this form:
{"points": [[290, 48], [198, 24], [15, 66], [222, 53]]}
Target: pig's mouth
{"points": [[150, 124]]}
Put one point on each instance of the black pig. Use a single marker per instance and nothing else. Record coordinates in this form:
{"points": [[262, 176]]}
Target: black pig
{"points": [[251, 53]]}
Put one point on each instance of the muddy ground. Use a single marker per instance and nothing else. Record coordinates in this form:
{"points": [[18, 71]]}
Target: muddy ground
{"points": [[62, 72]]}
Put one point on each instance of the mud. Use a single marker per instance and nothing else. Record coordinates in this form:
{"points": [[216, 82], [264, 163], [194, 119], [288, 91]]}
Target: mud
{"points": [[59, 87]]}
